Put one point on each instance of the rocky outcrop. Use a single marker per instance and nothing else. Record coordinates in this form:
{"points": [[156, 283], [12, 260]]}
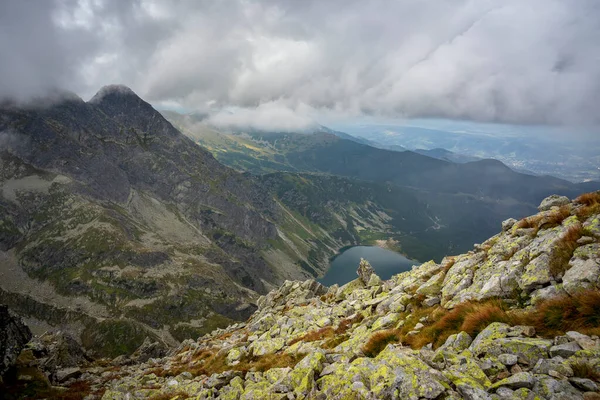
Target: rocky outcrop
{"points": [[330, 330], [306, 341], [14, 334]]}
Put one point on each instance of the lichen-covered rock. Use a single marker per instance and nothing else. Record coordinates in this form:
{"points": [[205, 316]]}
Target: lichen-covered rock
{"points": [[386, 321], [364, 271], [582, 274], [304, 373], [508, 223], [433, 285], [457, 342], [553, 201], [565, 350], [268, 346], [516, 381]]}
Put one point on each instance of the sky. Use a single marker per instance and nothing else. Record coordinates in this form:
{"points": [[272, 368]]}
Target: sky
{"points": [[290, 63]]}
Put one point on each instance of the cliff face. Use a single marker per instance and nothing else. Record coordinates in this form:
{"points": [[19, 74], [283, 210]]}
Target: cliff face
{"points": [[514, 318]]}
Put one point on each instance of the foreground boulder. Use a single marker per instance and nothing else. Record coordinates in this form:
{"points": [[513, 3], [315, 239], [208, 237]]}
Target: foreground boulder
{"points": [[14, 334]]}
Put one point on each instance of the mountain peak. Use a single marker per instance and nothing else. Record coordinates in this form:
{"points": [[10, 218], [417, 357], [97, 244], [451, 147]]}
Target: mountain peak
{"points": [[109, 91]]}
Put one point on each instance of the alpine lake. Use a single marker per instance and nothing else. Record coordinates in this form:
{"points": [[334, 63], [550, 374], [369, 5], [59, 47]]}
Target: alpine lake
{"points": [[386, 263]]}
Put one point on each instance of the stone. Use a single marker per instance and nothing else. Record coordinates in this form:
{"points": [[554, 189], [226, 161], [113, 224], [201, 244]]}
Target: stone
{"points": [[148, 350], [505, 393], [457, 342], [386, 321], [565, 350], [235, 354], [364, 271], [374, 280], [546, 293], [304, 373], [493, 331], [545, 366], [433, 285], [553, 201], [587, 385], [431, 301], [508, 223], [586, 342], [583, 274], [516, 381], [522, 330], [269, 346], [14, 334], [508, 359], [469, 392], [65, 374]]}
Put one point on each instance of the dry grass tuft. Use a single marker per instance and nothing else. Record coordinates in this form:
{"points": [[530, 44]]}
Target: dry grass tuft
{"points": [[211, 363], [529, 222], [583, 369], [556, 217], [550, 318], [589, 205], [556, 316], [588, 199], [313, 336], [379, 340], [335, 341], [347, 323], [470, 317], [563, 251]]}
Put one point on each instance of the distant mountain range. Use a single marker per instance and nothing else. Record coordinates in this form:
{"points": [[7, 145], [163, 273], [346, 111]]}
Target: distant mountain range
{"points": [[564, 156]]}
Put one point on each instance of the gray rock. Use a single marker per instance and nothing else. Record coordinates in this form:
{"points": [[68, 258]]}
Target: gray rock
{"points": [[508, 223], [14, 334], [65, 374], [565, 350], [505, 393], [545, 366], [522, 330], [553, 201], [431, 301], [508, 359], [583, 274], [457, 342], [516, 381], [550, 388], [148, 350], [584, 341], [471, 392], [374, 280], [584, 384], [364, 271]]}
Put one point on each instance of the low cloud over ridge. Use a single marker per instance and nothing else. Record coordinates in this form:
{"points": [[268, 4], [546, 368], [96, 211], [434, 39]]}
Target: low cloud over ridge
{"points": [[495, 60]]}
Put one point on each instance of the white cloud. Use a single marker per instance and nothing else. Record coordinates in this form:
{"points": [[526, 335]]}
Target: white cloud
{"points": [[510, 61], [270, 117]]}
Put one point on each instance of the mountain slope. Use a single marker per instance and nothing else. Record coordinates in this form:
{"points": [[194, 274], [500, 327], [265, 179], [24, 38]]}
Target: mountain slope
{"points": [[514, 318], [110, 204]]}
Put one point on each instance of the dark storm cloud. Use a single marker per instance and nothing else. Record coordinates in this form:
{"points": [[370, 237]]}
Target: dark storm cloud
{"points": [[490, 60]]}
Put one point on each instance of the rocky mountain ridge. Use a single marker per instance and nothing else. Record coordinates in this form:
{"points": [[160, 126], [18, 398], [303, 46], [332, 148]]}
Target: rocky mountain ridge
{"points": [[516, 318], [111, 218]]}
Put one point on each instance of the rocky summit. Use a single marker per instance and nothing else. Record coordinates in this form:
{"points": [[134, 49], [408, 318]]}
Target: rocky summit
{"points": [[518, 317]]}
